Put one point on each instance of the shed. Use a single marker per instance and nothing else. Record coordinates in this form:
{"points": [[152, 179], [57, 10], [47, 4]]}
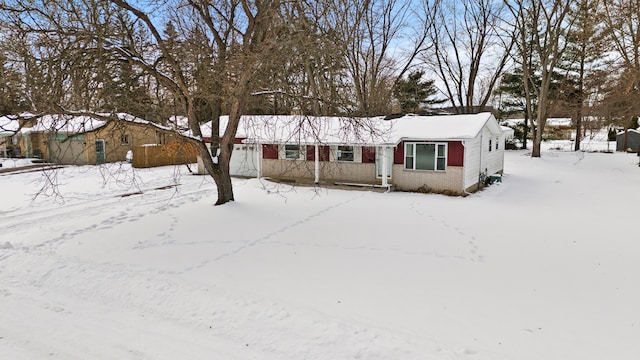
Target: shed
{"points": [[632, 142]]}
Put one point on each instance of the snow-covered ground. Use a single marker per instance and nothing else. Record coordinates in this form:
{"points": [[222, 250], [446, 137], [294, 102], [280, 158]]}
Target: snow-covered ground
{"points": [[121, 264]]}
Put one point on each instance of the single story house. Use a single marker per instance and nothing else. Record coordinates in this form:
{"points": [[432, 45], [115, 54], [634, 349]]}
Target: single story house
{"points": [[631, 143], [81, 140], [449, 154]]}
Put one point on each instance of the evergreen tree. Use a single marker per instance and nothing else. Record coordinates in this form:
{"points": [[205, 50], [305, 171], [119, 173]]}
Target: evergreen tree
{"points": [[414, 94]]}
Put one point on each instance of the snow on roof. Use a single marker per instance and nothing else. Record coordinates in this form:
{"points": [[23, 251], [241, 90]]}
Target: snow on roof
{"points": [[551, 122], [344, 130], [9, 125], [443, 127], [65, 123], [509, 133]]}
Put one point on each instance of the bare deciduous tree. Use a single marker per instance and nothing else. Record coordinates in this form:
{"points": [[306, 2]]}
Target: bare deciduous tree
{"points": [[367, 31], [470, 49], [540, 28], [622, 19], [237, 39]]}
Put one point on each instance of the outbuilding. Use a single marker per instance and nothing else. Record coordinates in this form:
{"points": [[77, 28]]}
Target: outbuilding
{"points": [[629, 142]]}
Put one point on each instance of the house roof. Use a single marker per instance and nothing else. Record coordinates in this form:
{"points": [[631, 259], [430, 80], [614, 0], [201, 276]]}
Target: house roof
{"points": [[64, 124], [372, 131], [551, 122], [8, 126]]}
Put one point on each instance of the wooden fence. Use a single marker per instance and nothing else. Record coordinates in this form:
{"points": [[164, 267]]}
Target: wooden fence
{"points": [[152, 155]]}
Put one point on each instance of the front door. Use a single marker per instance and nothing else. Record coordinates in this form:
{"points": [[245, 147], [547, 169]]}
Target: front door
{"points": [[100, 153], [388, 153]]}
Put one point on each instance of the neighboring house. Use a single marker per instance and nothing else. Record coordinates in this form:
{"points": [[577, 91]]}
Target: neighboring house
{"points": [[631, 143], [448, 154], [82, 140], [554, 129]]}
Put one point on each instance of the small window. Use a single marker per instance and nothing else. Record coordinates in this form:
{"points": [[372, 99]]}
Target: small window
{"points": [[408, 156], [490, 147], [160, 138], [292, 152], [497, 142], [124, 139], [345, 153]]}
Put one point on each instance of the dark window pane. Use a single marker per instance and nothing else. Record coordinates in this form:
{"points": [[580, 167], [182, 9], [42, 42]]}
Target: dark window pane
{"points": [[408, 163], [425, 156]]}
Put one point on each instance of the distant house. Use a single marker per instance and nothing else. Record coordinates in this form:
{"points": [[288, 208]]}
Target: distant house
{"points": [[554, 129], [631, 143], [449, 154], [82, 140]]}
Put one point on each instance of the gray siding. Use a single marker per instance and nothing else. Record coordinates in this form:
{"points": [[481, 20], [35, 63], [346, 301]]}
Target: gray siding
{"points": [[633, 141]]}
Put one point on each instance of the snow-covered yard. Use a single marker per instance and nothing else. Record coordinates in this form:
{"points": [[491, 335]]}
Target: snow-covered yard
{"points": [[121, 264]]}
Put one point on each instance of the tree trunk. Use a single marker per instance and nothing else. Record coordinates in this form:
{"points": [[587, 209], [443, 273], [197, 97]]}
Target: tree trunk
{"points": [[578, 130], [224, 184], [537, 142]]}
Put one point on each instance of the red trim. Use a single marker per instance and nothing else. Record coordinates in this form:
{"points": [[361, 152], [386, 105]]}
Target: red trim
{"points": [[238, 140], [324, 153], [322, 150], [270, 151], [398, 153], [311, 153], [368, 154], [455, 153]]}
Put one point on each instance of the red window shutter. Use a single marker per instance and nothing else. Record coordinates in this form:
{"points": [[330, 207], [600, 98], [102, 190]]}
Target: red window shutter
{"points": [[270, 151], [455, 153]]}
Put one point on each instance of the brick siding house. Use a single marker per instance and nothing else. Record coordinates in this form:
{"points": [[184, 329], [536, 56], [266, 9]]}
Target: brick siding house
{"points": [[449, 154]]}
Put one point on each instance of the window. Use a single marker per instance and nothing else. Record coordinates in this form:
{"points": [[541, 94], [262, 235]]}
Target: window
{"points": [[425, 156], [124, 139], [490, 147], [497, 142], [345, 153], [292, 152], [160, 138]]}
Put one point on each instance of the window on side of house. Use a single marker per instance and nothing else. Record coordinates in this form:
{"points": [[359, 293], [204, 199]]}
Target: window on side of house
{"points": [[124, 139], [292, 152], [490, 147], [160, 138], [345, 153], [497, 142], [425, 156]]}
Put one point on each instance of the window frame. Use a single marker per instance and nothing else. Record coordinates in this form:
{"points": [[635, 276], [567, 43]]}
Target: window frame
{"points": [[437, 155], [288, 151], [340, 151], [125, 139]]}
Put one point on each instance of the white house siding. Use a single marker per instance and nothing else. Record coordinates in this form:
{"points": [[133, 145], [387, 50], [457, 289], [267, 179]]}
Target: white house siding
{"points": [[329, 171], [493, 160], [478, 159], [244, 160], [471, 162], [452, 179]]}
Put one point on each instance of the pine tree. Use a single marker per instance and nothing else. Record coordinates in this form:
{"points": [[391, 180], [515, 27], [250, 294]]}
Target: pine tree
{"points": [[414, 94]]}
